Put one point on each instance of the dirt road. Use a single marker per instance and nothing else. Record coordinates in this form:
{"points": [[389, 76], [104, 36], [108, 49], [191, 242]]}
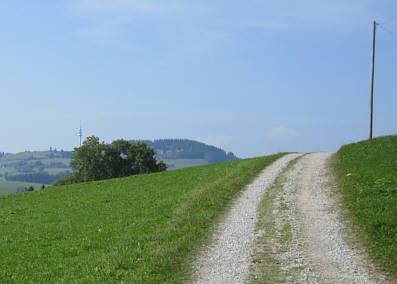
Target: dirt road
{"points": [[300, 236], [307, 237], [227, 260]]}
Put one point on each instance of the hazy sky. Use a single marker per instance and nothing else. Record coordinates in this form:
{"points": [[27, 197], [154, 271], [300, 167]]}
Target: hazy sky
{"points": [[253, 77]]}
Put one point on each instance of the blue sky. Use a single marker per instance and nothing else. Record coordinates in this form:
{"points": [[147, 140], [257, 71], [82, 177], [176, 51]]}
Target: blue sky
{"points": [[253, 77]]}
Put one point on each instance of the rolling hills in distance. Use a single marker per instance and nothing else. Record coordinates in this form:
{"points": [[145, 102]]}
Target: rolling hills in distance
{"points": [[37, 168]]}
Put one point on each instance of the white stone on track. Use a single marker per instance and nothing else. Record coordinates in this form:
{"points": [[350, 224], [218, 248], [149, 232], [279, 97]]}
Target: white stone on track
{"points": [[318, 230], [228, 259]]}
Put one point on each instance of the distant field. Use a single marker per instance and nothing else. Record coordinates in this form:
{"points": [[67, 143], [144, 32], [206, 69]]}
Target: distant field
{"points": [[8, 170], [54, 171], [27, 168], [54, 163], [66, 161], [25, 155], [367, 176], [139, 229], [184, 163], [7, 187]]}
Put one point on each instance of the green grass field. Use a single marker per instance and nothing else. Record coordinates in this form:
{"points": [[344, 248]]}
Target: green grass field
{"points": [[54, 171], [26, 155], [66, 161], [9, 166], [139, 229], [367, 175]]}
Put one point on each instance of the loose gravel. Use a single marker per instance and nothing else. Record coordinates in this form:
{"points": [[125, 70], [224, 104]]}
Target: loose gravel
{"points": [[305, 241], [317, 251], [228, 258]]}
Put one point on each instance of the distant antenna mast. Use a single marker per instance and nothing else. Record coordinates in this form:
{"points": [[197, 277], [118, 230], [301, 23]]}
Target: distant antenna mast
{"points": [[80, 133]]}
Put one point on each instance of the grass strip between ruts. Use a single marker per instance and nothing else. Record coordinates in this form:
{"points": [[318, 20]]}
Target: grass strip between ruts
{"points": [[266, 266]]}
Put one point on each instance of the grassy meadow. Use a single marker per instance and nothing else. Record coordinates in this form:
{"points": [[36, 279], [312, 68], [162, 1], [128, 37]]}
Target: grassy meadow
{"points": [[55, 163], [139, 229], [367, 175]]}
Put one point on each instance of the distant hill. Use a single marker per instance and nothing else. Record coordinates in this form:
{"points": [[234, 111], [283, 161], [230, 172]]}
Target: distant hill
{"points": [[34, 168], [188, 149], [21, 170]]}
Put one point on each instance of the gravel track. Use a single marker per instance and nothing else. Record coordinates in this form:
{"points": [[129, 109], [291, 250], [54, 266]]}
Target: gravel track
{"points": [[228, 258], [306, 240], [318, 252]]}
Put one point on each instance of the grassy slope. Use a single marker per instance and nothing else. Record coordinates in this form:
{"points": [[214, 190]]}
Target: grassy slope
{"points": [[367, 175], [140, 229], [7, 187]]}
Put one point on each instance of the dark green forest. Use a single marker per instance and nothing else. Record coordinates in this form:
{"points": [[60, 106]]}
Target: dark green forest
{"points": [[188, 149], [41, 177]]}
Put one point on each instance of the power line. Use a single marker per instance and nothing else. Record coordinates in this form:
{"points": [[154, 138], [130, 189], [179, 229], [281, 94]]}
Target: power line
{"points": [[388, 31], [391, 19]]}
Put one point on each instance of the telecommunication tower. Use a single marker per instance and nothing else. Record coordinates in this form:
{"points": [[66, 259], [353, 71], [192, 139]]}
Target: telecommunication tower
{"points": [[80, 133]]}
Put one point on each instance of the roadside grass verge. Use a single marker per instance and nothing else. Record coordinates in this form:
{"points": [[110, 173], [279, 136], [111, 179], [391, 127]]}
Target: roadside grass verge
{"points": [[139, 229], [274, 236], [366, 173]]}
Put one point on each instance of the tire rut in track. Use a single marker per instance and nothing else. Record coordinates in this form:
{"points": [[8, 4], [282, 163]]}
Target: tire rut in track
{"points": [[304, 239], [228, 258]]}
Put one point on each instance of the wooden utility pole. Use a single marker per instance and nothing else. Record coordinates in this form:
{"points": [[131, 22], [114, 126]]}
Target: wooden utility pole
{"points": [[372, 81]]}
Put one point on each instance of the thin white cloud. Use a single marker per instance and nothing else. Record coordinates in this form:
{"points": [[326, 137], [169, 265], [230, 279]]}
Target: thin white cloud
{"points": [[310, 15], [106, 31], [123, 6], [278, 132], [108, 21]]}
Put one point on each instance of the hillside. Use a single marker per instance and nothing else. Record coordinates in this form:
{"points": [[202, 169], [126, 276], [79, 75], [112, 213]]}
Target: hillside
{"points": [[367, 177], [35, 168], [21, 170], [139, 229], [189, 149], [179, 153]]}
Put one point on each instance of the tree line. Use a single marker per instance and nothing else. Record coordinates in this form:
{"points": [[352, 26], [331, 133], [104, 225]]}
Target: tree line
{"points": [[188, 149], [41, 177]]}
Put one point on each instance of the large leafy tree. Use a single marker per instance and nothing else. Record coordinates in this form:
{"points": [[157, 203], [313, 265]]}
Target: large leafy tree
{"points": [[96, 161]]}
